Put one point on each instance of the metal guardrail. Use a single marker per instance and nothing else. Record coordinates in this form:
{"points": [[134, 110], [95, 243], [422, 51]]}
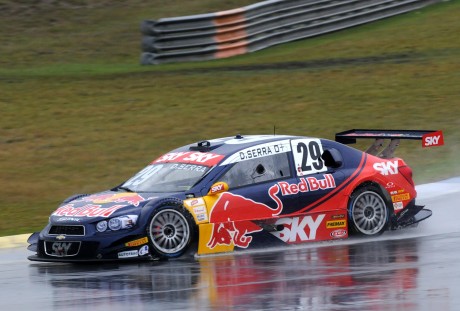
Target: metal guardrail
{"points": [[258, 26]]}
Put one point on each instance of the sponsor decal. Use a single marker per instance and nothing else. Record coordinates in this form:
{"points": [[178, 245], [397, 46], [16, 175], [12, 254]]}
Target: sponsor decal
{"points": [[137, 242], [338, 216], [433, 139], [67, 219], [128, 254], [387, 168], [195, 202], [397, 191], [298, 229], [400, 197], [307, 184], [61, 248], [89, 210], [307, 156], [128, 198], [206, 158], [198, 207], [218, 187], [398, 206], [229, 217], [259, 151], [339, 233], [336, 224], [200, 212], [202, 217], [390, 185], [144, 250]]}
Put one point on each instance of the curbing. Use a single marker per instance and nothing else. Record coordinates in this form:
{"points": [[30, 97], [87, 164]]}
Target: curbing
{"points": [[14, 241]]}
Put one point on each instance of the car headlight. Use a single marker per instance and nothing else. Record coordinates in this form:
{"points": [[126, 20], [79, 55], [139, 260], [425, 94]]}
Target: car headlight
{"points": [[117, 223], [101, 226]]}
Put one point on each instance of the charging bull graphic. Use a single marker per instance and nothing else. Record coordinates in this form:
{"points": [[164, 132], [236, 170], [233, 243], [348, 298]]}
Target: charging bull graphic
{"points": [[230, 216], [110, 197], [100, 205]]}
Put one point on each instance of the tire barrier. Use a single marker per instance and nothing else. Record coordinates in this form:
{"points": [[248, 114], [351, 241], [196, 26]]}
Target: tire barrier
{"points": [[258, 26]]}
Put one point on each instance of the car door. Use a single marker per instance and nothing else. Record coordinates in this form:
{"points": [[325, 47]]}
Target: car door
{"points": [[254, 190], [251, 203]]}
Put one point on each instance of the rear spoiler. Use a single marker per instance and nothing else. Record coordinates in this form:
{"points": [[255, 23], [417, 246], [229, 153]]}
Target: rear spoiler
{"points": [[429, 138]]}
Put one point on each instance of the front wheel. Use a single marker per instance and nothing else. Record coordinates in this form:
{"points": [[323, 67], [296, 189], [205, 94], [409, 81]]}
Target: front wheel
{"points": [[171, 231], [368, 212]]}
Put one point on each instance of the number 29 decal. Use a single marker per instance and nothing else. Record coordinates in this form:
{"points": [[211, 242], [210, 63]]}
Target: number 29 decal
{"points": [[307, 156]]}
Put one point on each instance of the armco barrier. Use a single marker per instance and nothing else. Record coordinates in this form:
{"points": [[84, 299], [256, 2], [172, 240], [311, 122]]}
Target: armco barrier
{"points": [[258, 26]]}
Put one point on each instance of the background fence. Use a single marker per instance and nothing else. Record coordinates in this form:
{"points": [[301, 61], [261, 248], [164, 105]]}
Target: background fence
{"points": [[258, 26]]}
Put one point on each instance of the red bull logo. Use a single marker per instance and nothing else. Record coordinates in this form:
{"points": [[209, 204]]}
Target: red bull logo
{"points": [[88, 210], [308, 184], [236, 232], [94, 207], [231, 216], [125, 197]]}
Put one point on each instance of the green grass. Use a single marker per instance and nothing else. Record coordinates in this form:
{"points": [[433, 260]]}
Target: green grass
{"points": [[78, 114]]}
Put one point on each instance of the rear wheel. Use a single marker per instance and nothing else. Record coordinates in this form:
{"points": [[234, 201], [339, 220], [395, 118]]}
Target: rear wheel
{"points": [[368, 211], [171, 231]]}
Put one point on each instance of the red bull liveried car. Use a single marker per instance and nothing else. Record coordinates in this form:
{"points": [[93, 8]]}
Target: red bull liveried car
{"points": [[243, 192]]}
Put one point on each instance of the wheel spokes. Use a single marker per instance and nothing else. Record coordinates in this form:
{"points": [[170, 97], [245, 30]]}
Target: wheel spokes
{"points": [[169, 231]]}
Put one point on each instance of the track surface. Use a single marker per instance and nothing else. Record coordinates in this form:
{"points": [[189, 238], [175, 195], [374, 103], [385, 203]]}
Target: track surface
{"points": [[413, 269]]}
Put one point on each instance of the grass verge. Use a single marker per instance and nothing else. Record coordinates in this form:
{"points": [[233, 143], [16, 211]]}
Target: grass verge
{"points": [[79, 114]]}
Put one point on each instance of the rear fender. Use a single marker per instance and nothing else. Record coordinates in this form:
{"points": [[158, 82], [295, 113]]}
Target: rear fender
{"points": [[383, 191]]}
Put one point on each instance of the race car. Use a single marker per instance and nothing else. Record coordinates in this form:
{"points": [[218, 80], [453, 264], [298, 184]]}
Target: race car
{"points": [[242, 192]]}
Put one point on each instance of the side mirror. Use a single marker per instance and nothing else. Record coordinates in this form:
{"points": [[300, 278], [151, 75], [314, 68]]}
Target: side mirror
{"points": [[218, 187], [332, 158]]}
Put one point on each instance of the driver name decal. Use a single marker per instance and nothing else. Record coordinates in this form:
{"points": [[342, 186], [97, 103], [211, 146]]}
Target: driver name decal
{"points": [[259, 151]]}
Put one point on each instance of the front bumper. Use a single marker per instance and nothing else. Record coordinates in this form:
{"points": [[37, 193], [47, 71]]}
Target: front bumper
{"points": [[87, 249]]}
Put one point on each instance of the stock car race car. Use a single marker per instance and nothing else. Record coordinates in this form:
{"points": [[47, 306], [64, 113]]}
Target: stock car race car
{"points": [[241, 192]]}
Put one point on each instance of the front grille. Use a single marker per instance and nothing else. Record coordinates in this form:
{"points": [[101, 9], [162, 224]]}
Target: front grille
{"points": [[78, 250], [67, 230], [62, 249]]}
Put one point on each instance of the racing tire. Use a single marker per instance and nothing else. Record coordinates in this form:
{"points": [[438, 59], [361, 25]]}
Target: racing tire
{"points": [[171, 231], [368, 211]]}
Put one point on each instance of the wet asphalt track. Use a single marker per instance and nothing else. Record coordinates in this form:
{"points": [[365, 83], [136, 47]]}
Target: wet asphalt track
{"points": [[414, 269]]}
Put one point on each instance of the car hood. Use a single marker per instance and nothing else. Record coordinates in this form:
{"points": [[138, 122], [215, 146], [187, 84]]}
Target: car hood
{"points": [[102, 205]]}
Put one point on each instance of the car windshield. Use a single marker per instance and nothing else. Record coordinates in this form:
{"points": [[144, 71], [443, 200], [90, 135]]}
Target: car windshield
{"points": [[166, 177]]}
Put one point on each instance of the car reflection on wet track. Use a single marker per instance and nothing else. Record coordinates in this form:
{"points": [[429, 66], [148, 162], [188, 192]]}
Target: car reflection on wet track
{"points": [[335, 275]]}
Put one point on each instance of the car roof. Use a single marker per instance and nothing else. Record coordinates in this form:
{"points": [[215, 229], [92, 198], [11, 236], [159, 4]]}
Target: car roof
{"points": [[229, 145], [228, 150]]}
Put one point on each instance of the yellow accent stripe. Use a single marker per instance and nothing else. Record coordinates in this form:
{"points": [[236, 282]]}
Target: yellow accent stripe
{"points": [[14, 240]]}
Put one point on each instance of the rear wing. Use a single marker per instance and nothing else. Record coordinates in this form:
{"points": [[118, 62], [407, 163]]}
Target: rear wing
{"points": [[429, 138]]}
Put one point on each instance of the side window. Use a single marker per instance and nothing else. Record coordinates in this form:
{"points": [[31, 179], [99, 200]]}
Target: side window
{"points": [[258, 170]]}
